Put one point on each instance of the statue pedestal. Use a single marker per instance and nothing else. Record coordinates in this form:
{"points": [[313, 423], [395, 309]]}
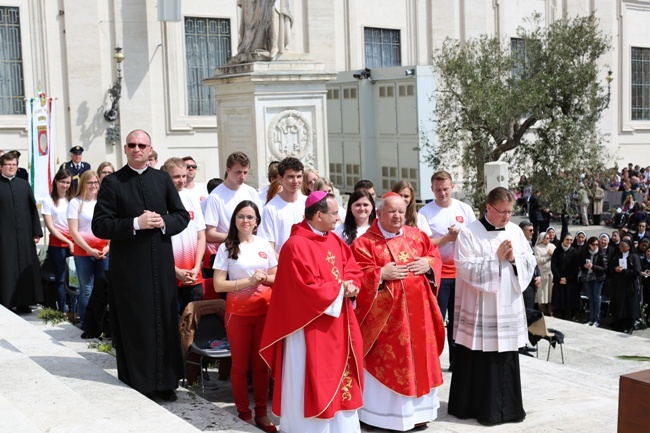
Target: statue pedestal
{"points": [[271, 110]]}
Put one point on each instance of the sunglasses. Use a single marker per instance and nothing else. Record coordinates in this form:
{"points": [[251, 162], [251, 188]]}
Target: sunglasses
{"points": [[141, 146], [191, 166]]}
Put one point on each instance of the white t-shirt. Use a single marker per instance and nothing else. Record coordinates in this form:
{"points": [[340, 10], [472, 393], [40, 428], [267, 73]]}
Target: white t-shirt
{"points": [[263, 192], [85, 219], [440, 219], [278, 218], [423, 224], [185, 243], [59, 213], [251, 257], [199, 192], [222, 202], [360, 231]]}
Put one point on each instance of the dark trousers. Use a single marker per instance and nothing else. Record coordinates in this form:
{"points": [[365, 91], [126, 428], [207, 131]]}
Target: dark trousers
{"points": [[446, 301]]}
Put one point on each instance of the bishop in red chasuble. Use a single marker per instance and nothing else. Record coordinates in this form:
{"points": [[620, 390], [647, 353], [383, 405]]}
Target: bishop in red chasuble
{"points": [[402, 329], [311, 338]]}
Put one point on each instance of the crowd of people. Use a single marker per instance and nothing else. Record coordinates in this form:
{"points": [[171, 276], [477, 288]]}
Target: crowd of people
{"points": [[344, 308]]}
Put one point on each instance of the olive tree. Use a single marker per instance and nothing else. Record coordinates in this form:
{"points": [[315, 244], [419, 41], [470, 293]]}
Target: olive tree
{"points": [[534, 102]]}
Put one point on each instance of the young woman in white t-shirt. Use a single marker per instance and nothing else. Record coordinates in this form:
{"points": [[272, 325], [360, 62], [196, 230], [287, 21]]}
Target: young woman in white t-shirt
{"points": [[90, 253], [358, 218], [60, 245], [249, 262]]}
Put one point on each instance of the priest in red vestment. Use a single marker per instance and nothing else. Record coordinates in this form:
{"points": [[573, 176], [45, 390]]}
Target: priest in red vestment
{"points": [[402, 328], [311, 338]]}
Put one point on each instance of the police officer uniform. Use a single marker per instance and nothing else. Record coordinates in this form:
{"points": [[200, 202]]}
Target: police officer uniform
{"points": [[76, 169]]}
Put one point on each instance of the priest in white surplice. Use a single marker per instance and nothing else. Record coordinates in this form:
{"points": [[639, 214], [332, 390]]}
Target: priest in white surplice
{"points": [[494, 264]]}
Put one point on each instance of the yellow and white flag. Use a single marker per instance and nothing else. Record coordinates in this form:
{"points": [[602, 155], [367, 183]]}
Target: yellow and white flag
{"points": [[42, 146]]}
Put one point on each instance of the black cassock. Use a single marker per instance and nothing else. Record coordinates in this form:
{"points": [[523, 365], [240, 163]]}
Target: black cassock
{"points": [[142, 284], [20, 275]]}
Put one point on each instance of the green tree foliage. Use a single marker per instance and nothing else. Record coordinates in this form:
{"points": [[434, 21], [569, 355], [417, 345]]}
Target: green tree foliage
{"points": [[536, 109]]}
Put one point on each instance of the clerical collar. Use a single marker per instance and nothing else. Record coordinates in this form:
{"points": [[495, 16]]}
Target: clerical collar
{"points": [[139, 171], [489, 226], [315, 230], [7, 177], [389, 235]]}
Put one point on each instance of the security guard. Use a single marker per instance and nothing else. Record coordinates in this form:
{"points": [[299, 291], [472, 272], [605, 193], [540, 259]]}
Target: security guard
{"points": [[76, 166]]}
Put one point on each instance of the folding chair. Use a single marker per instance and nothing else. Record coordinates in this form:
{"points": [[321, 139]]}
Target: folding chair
{"points": [[538, 331], [209, 328]]}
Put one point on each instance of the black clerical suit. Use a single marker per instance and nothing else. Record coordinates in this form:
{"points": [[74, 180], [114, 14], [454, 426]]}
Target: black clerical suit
{"points": [[20, 272], [142, 283]]}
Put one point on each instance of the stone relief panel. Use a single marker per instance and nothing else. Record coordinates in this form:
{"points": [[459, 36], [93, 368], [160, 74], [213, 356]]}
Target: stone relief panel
{"points": [[290, 133]]}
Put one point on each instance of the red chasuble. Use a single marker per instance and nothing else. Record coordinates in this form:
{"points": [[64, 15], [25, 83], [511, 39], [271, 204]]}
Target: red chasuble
{"points": [[402, 329], [310, 272]]}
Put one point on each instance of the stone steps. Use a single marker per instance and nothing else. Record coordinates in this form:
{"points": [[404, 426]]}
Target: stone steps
{"points": [[47, 386]]}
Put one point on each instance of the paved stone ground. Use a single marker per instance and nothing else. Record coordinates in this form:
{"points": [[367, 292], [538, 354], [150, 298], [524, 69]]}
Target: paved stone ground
{"points": [[578, 396]]}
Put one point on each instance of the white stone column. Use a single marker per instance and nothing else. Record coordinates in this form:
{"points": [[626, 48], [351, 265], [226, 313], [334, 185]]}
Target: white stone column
{"points": [[271, 110]]}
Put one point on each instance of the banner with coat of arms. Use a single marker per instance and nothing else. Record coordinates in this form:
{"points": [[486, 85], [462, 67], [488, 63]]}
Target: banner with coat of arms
{"points": [[42, 146]]}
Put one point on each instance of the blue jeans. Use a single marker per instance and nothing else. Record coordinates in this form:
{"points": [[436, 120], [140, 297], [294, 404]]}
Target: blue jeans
{"points": [[594, 289], [58, 255], [88, 268], [446, 301]]}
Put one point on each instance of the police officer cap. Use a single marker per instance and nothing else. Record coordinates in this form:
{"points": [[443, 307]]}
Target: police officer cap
{"points": [[14, 153], [77, 150]]}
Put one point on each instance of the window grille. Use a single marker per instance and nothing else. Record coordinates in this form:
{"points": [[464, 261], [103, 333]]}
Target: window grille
{"points": [[207, 46], [12, 86]]}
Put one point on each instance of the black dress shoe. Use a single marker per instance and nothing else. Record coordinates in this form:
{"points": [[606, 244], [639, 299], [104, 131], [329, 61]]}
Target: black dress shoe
{"points": [[167, 395]]}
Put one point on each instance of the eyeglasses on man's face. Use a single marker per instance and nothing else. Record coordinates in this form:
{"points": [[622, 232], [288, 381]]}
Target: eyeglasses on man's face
{"points": [[141, 146], [502, 212]]}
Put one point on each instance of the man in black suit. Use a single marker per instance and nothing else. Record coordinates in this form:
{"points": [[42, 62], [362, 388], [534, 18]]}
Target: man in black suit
{"points": [[139, 210], [75, 166]]}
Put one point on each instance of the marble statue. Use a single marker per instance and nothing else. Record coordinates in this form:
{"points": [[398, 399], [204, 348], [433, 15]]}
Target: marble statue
{"points": [[264, 31]]}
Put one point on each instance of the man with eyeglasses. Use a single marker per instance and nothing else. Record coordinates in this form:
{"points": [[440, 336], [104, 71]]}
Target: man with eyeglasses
{"points": [[494, 265], [188, 245], [139, 210], [403, 332], [311, 338], [20, 230], [198, 190]]}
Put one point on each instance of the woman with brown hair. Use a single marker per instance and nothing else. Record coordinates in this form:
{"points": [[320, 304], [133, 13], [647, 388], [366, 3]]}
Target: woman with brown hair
{"points": [[413, 218], [54, 211], [90, 252], [245, 267]]}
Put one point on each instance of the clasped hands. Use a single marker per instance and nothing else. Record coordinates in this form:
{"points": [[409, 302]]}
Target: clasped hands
{"points": [[150, 220], [349, 289], [258, 277], [505, 251], [393, 271], [188, 277]]}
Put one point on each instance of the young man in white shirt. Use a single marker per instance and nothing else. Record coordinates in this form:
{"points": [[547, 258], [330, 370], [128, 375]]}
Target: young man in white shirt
{"points": [[188, 245], [446, 217], [197, 189], [287, 207], [223, 200]]}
